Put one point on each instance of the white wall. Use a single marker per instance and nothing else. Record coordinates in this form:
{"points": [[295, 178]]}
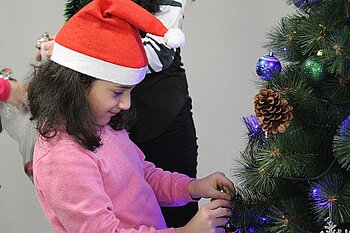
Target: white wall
{"points": [[224, 43], [224, 39]]}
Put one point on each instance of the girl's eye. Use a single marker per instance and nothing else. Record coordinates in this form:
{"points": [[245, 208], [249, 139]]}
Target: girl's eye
{"points": [[117, 93]]}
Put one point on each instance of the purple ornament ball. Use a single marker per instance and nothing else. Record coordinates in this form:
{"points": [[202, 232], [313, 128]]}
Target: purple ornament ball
{"points": [[268, 66], [305, 4]]}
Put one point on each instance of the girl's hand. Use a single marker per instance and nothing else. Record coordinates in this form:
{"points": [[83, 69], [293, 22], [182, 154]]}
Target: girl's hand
{"points": [[210, 218], [216, 186]]}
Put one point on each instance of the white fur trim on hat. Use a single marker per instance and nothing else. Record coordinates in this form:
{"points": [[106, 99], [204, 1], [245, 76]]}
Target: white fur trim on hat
{"points": [[97, 68]]}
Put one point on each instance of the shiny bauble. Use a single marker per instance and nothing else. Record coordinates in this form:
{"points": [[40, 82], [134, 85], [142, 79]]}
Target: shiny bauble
{"points": [[313, 71], [28, 168], [305, 4], [268, 67]]}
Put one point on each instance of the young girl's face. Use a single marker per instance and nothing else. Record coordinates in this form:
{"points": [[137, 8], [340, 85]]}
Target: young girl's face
{"points": [[106, 99]]}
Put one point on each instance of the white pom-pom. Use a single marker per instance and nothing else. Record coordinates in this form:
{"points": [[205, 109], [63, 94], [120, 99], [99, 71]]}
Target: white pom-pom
{"points": [[174, 38]]}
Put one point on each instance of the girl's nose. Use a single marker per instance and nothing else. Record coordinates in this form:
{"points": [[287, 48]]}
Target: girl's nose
{"points": [[125, 101]]}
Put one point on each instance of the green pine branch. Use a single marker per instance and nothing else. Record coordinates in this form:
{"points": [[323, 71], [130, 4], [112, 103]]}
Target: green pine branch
{"points": [[73, 6]]}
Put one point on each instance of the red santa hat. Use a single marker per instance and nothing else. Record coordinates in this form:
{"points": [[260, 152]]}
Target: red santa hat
{"points": [[102, 40]]}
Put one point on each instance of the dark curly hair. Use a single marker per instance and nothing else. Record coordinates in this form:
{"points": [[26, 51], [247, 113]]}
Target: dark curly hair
{"points": [[58, 100]]}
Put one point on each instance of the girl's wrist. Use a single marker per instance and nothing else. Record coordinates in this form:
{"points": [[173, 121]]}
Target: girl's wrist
{"points": [[192, 190]]}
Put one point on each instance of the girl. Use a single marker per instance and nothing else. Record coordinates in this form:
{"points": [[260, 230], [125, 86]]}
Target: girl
{"points": [[163, 128], [88, 175]]}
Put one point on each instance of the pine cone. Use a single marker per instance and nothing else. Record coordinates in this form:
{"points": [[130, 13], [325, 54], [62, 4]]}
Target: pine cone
{"points": [[273, 112]]}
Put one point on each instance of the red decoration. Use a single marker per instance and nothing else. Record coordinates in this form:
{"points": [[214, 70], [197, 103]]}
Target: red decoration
{"points": [[28, 168]]}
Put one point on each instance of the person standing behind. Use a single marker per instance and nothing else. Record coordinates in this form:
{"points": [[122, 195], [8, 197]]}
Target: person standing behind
{"points": [[11, 91], [163, 127]]}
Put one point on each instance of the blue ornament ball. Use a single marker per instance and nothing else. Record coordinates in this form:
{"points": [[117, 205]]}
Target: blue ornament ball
{"points": [[268, 66], [305, 4]]}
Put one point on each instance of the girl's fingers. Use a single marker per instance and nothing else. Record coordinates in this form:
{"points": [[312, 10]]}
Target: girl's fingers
{"points": [[223, 195], [221, 222], [230, 190], [220, 230], [223, 212], [216, 203]]}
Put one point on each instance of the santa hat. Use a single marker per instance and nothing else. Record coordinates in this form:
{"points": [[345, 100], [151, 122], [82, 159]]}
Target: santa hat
{"points": [[102, 40]]}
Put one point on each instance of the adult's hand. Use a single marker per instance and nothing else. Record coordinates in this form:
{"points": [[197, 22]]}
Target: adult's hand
{"points": [[18, 94], [46, 49]]}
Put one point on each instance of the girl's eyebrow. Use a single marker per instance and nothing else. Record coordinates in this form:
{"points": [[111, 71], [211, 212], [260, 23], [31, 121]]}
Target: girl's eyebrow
{"points": [[123, 86]]}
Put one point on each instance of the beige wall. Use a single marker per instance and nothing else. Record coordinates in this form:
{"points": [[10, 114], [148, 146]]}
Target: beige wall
{"points": [[224, 39]]}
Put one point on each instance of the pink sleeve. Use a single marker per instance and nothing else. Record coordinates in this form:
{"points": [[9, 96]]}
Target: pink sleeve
{"points": [[70, 189], [171, 188], [5, 89]]}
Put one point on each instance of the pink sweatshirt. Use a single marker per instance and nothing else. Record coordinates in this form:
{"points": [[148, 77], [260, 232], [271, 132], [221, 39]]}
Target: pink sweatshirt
{"points": [[5, 89], [110, 190]]}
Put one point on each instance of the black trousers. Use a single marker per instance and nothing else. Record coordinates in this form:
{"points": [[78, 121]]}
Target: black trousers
{"points": [[176, 151]]}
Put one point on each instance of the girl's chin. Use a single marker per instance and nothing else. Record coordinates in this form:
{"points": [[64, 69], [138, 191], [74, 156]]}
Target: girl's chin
{"points": [[103, 122]]}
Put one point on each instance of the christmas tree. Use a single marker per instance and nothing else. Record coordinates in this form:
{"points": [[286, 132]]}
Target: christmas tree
{"points": [[293, 174], [73, 6]]}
